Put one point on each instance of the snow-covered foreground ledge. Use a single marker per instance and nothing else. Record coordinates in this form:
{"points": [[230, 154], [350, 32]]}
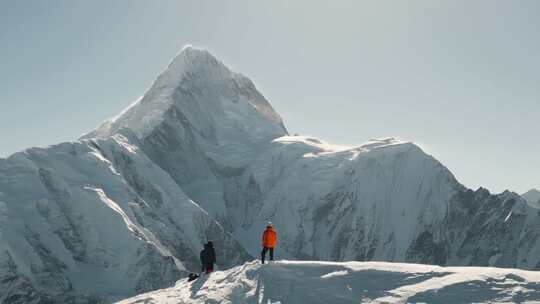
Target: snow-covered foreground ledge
{"points": [[288, 282]]}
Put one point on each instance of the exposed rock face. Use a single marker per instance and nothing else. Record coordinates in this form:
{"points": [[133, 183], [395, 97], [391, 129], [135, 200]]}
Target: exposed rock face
{"points": [[203, 156]]}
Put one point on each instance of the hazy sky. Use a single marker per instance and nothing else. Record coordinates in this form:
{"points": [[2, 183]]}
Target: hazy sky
{"points": [[462, 78]]}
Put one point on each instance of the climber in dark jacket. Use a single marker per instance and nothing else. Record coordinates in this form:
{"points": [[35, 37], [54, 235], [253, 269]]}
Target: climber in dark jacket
{"points": [[208, 257]]}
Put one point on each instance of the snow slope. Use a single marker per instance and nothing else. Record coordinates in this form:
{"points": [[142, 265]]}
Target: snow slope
{"points": [[97, 219], [289, 282], [383, 200], [337, 204]]}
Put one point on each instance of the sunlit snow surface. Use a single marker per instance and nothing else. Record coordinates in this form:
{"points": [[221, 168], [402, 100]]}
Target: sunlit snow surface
{"points": [[289, 282]]}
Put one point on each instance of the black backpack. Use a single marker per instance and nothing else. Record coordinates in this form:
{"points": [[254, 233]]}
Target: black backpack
{"points": [[192, 277]]}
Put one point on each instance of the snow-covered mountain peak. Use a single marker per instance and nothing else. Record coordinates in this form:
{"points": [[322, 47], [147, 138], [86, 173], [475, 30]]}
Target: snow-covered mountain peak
{"points": [[194, 61], [532, 197], [191, 53], [533, 193], [197, 92]]}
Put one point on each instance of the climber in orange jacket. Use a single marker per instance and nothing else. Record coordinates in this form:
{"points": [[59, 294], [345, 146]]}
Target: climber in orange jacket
{"points": [[269, 241]]}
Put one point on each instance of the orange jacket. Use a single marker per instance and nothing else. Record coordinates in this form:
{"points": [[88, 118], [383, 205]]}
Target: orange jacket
{"points": [[269, 238]]}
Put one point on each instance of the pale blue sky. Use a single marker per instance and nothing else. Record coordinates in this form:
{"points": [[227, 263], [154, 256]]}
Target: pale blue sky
{"points": [[462, 78]]}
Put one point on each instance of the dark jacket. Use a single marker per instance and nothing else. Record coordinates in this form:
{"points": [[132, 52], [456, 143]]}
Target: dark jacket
{"points": [[208, 255]]}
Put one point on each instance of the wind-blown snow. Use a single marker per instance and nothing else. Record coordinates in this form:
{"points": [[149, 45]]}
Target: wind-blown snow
{"points": [[288, 282]]}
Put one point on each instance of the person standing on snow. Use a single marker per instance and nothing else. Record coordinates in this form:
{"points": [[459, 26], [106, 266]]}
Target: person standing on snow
{"points": [[269, 241], [208, 257]]}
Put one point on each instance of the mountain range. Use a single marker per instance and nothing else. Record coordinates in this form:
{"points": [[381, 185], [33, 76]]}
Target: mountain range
{"points": [[202, 155]]}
